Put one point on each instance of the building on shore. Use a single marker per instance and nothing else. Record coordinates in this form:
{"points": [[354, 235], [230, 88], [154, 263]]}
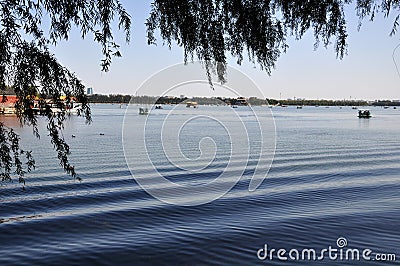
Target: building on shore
{"points": [[7, 104], [8, 99], [192, 104], [241, 101]]}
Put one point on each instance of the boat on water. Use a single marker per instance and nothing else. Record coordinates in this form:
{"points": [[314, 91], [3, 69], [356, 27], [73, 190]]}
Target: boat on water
{"points": [[69, 107], [73, 108], [158, 107], [299, 107], [143, 111], [354, 107], [386, 107], [364, 114], [191, 104]]}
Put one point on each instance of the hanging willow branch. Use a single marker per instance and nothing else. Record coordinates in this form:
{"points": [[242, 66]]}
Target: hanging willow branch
{"points": [[29, 69], [209, 29], [11, 156]]}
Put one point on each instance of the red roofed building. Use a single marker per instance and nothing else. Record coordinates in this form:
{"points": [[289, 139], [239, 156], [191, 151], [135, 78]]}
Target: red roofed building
{"points": [[7, 104]]}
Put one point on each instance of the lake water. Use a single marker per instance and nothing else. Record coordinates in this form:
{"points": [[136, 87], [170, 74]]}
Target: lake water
{"points": [[333, 176]]}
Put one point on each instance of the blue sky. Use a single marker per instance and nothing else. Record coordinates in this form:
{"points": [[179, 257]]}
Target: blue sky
{"points": [[367, 72]]}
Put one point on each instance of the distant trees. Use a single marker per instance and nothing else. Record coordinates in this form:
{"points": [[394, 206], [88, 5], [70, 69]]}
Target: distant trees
{"points": [[386, 103], [112, 98], [253, 101], [318, 102]]}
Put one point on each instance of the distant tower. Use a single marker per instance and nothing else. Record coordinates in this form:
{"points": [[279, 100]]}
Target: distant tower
{"points": [[89, 91]]}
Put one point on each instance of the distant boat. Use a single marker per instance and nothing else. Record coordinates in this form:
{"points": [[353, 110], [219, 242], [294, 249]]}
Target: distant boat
{"points": [[364, 114], [9, 111], [299, 107], [158, 107], [191, 104], [234, 106], [71, 108], [241, 101], [354, 108], [143, 111], [395, 107], [386, 107]]}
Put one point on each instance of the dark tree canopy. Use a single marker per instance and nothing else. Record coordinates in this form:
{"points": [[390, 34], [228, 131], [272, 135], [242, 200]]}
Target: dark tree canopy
{"points": [[206, 29]]}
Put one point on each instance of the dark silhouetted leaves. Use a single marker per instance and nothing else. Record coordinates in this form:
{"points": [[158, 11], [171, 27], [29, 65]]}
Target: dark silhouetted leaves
{"points": [[259, 29], [30, 70]]}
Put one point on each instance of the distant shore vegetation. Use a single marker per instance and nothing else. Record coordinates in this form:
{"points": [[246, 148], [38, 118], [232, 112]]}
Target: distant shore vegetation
{"points": [[125, 99]]}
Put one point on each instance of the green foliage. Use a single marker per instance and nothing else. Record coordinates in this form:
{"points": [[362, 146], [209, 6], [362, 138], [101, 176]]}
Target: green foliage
{"points": [[29, 69]]}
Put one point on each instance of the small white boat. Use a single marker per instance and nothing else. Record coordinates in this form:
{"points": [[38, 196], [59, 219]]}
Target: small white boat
{"points": [[73, 108], [191, 104]]}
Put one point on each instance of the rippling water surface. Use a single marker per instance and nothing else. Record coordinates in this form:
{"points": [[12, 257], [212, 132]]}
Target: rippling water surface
{"points": [[333, 175]]}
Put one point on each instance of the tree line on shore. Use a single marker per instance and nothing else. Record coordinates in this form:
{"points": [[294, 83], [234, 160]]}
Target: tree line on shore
{"points": [[124, 99]]}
